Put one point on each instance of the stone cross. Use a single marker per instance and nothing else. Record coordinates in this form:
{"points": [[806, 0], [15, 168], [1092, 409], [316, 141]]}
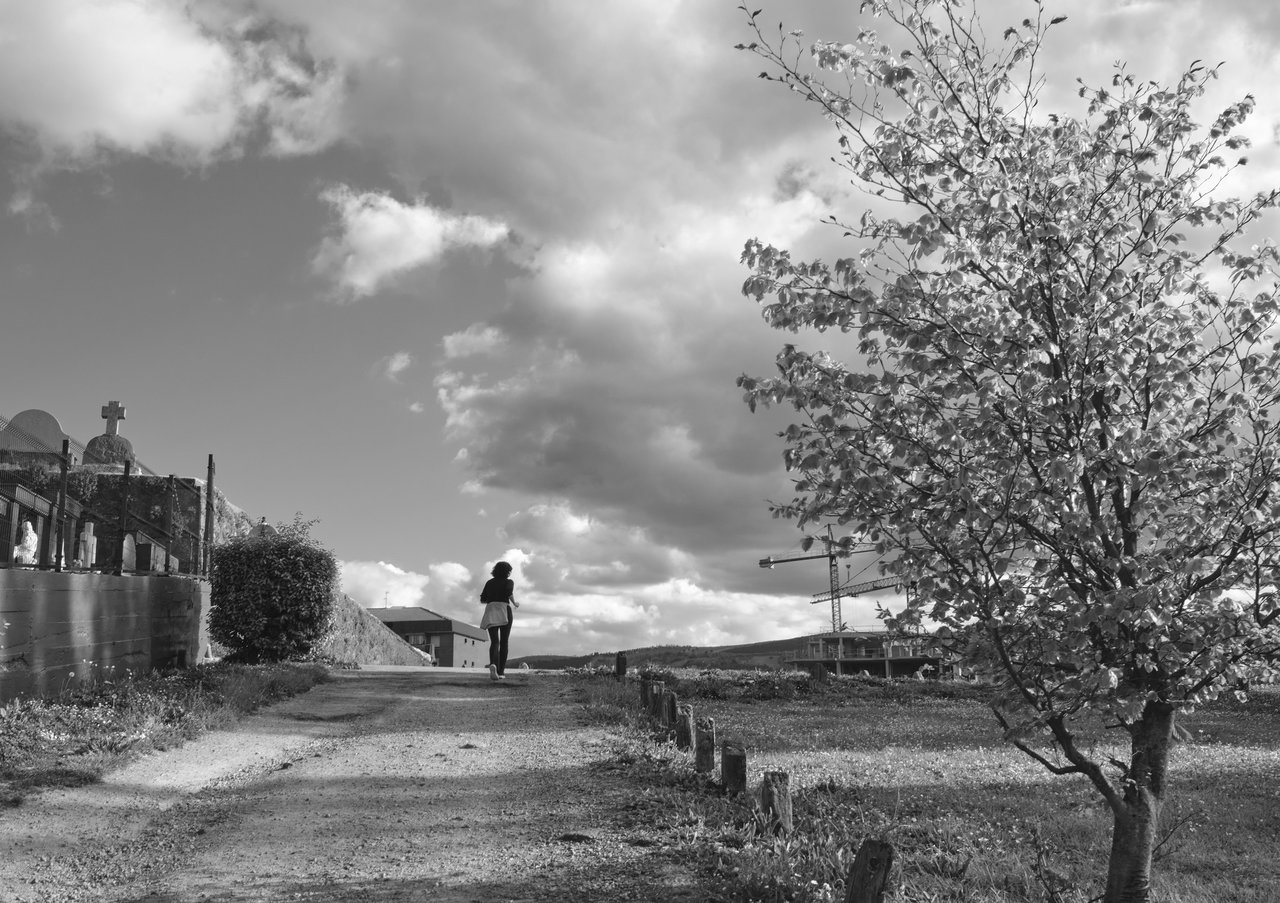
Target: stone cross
{"points": [[112, 413]]}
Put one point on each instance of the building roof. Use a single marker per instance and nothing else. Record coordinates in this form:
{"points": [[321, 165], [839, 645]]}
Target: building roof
{"points": [[407, 613], [404, 614]]}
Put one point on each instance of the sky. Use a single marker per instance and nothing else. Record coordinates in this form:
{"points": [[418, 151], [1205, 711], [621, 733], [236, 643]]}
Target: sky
{"points": [[461, 280]]}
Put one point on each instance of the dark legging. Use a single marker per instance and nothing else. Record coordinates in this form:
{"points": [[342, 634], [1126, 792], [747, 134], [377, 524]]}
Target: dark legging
{"points": [[498, 637]]}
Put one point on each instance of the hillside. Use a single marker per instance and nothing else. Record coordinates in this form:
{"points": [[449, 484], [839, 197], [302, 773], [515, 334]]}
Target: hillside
{"points": [[767, 654]]}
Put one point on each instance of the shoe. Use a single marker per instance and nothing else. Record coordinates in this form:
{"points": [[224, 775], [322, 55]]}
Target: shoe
{"points": [[493, 672], [502, 677]]}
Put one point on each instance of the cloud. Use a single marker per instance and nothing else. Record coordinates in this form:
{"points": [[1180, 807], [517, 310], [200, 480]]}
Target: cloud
{"points": [[379, 239], [476, 339], [377, 584], [391, 366], [185, 83]]}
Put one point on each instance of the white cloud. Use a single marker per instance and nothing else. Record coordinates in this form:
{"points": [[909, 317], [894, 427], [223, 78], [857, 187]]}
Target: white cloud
{"points": [[82, 81], [378, 584], [393, 365], [379, 239], [476, 339], [417, 407]]}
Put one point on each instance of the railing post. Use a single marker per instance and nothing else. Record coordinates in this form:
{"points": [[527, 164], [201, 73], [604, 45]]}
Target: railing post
{"points": [[60, 526], [208, 519]]}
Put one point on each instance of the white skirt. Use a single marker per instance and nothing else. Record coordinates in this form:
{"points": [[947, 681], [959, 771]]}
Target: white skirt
{"points": [[495, 615]]}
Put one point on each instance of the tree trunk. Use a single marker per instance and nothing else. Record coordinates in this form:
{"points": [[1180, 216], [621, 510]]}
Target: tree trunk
{"points": [[1137, 820]]}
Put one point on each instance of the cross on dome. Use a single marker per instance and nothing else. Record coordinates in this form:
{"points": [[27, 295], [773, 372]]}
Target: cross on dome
{"points": [[112, 413]]}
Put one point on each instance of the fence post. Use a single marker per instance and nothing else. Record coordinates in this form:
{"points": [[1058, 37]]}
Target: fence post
{"points": [[656, 689], [124, 518], [684, 726], [208, 518], [869, 874], [170, 502], [670, 708], [775, 800], [704, 759], [620, 666], [60, 526], [733, 768]]}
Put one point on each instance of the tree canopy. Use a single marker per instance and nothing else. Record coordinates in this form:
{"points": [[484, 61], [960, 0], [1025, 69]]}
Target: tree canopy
{"points": [[1060, 424]]}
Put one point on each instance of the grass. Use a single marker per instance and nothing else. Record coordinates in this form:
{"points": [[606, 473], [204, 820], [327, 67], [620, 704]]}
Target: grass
{"points": [[971, 818], [94, 726]]}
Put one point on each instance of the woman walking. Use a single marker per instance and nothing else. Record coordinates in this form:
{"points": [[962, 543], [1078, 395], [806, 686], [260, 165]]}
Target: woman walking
{"points": [[499, 600]]}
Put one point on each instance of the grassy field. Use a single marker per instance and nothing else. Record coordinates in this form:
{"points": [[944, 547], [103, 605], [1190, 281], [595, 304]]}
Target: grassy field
{"points": [[94, 726], [971, 818]]}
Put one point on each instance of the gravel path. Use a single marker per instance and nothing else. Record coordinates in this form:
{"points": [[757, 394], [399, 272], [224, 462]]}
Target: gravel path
{"points": [[384, 785]]}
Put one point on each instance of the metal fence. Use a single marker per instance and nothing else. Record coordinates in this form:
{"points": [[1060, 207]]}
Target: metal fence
{"points": [[124, 519]]}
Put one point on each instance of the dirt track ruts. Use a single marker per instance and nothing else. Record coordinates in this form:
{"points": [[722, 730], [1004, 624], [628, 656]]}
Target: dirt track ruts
{"points": [[384, 785]]}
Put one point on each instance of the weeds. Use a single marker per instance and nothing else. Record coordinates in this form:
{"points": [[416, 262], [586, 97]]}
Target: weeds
{"points": [[95, 725], [920, 764]]}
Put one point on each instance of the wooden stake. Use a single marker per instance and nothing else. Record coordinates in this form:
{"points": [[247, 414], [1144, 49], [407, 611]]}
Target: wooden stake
{"points": [[670, 709], [869, 874], [655, 700], [620, 666], [733, 768], [704, 760], [775, 800], [684, 726]]}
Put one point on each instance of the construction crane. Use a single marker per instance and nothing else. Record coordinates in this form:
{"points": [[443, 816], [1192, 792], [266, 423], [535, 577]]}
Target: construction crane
{"points": [[836, 590]]}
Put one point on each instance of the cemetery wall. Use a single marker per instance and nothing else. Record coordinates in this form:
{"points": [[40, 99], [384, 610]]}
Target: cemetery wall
{"points": [[57, 629], [361, 638]]}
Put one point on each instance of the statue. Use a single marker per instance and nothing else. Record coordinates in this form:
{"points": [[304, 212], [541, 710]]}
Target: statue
{"points": [[26, 552]]}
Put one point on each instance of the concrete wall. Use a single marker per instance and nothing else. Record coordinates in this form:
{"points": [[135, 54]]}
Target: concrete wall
{"points": [[362, 639], [55, 625]]}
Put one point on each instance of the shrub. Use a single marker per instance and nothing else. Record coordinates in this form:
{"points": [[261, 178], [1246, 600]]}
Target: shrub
{"points": [[272, 596]]}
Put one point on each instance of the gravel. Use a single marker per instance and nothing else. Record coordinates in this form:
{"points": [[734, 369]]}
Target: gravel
{"points": [[385, 784]]}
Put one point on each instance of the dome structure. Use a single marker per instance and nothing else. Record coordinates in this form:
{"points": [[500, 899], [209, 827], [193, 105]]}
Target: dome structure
{"points": [[109, 448]]}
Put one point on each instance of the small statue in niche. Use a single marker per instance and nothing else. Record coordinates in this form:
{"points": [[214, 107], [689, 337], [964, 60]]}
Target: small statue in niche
{"points": [[27, 551]]}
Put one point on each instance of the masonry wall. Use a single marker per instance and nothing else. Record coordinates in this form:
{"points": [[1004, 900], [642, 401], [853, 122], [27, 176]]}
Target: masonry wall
{"points": [[53, 626], [360, 638]]}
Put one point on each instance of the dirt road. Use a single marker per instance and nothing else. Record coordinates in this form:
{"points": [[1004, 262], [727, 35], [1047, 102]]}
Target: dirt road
{"points": [[385, 785]]}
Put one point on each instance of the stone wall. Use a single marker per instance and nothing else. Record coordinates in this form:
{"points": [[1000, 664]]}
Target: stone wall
{"points": [[56, 629], [360, 638]]}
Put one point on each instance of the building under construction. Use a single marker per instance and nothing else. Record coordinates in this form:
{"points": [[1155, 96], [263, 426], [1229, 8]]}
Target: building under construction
{"points": [[878, 653]]}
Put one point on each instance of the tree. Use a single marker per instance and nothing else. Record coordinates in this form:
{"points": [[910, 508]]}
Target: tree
{"points": [[1060, 421]]}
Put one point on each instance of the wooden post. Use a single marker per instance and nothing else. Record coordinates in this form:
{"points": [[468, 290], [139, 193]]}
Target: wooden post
{"points": [[644, 693], [124, 518], [704, 760], [733, 768], [775, 800], [170, 502], [670, 709], [656, 689], [819, 673], [684, 726], [620, 666], [869, 874], [208, 519], [60, 524]]}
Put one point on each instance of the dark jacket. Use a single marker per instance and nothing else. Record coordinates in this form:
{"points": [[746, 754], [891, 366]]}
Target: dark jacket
{"points": [[498, 589]]}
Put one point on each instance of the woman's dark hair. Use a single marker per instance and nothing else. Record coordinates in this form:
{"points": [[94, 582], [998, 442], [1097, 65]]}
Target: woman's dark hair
{"points": [[500, 570]]}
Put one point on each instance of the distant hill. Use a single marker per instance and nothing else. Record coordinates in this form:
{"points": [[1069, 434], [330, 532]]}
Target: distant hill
{"points": [[768, 654]]}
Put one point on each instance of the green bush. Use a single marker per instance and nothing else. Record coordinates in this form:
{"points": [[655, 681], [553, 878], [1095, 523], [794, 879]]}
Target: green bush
{"points": [[272, 596]]}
